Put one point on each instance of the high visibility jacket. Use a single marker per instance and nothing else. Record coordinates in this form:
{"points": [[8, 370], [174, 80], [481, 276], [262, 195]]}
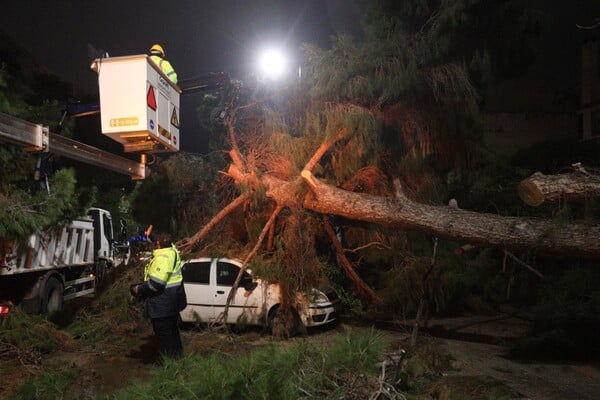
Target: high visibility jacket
{"points": [[163, 284], [166, 67]]}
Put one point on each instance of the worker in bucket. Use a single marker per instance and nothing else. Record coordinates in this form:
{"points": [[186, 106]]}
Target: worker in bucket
{"points": [[163, 292], [157, 55]]}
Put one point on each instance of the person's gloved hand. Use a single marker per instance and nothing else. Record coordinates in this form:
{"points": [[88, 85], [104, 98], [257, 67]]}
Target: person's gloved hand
{"points": [[133, 289]]}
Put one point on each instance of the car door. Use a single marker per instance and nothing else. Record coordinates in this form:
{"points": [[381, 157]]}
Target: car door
{"points": [[198, 290], [246, 305]]}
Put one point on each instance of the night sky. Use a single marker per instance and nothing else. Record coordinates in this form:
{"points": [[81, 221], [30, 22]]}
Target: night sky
{"points": [[202, 36], [198, 36]]}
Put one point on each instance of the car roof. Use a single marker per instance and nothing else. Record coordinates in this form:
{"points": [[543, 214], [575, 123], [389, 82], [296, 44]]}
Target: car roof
{"points": [[204, 259]]}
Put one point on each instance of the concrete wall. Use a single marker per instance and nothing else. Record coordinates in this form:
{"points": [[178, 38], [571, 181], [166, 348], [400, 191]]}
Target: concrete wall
{"points": [[508, 132], [590, 90]]}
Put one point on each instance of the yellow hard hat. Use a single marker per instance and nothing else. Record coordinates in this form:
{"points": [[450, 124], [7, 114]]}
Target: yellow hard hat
{"points": [[157, 49]]}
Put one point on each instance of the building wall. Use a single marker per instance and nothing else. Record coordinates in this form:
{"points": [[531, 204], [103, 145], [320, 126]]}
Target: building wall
{"points": [[589, 112], [508, 132]]}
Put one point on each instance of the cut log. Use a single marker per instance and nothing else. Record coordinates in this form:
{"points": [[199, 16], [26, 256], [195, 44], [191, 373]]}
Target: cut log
{"points": [[540, 188]]}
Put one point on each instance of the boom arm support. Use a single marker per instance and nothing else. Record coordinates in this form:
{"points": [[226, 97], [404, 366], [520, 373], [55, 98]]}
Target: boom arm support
{"points": [[37, 138], [204, 83]]}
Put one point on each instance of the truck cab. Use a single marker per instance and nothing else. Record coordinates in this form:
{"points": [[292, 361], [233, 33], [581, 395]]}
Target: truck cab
{"points": [[103, 233]]}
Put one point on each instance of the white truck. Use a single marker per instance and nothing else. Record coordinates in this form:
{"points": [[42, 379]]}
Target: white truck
{"points": [[52, 266]]}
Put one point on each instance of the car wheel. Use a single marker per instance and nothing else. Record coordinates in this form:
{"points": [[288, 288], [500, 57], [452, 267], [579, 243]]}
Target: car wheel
{"points": [[52, 296], [280, 325]]}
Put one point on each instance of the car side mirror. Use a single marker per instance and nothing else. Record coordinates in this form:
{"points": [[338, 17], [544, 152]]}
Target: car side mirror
{"points": [[250, 285]]}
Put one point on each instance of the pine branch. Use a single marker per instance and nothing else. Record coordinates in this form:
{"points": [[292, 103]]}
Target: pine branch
{"points": [[250, 256], [186, 245]]}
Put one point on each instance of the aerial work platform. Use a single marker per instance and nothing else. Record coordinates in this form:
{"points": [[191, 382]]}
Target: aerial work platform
{"points": [[139, 105]]}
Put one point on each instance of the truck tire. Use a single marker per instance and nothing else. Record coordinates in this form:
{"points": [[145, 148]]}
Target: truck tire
{"points": [[52, 296], [100, 271]]}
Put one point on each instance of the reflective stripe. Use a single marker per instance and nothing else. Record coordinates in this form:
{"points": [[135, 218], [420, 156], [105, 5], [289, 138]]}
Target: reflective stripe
{"points": [[178, 273], [165, 66], [152, 287], [157, 280]]}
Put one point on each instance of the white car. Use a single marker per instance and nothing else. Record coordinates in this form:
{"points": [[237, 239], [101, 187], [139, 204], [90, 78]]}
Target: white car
{"points": [[207, 284]]}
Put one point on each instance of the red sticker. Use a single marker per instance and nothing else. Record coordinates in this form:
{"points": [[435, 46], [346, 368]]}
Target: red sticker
{"points": [[151, 99]]}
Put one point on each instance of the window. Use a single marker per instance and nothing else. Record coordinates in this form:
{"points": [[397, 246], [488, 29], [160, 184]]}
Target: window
{"points": [[197, 272], [226, 274], [108, 230]]}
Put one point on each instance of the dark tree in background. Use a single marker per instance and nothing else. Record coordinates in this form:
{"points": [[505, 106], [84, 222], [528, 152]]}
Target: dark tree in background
{"points": [[25, 204]]}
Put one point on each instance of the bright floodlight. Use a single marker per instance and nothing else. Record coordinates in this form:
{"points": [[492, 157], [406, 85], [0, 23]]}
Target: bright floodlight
{"points": [[272, 64]]}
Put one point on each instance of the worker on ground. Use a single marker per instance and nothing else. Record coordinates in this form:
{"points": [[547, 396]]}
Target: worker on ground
{"points": [[164, 294], [157, 55]]}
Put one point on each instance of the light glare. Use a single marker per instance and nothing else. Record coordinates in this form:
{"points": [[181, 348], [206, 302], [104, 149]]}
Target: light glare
{"points": [[272, 63]]}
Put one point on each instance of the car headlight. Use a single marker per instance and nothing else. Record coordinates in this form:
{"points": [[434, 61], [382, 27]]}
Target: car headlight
{"points": [[316, 296]]}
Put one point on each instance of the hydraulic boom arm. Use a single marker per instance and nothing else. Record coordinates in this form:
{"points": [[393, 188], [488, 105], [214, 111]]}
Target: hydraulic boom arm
{"points": [[37, 138]]}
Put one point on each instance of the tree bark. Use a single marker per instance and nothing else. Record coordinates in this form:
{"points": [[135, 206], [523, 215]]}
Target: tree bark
{"points": [[484, 229], [238, 278], [364, 291], [188, 244], [540, 188]]}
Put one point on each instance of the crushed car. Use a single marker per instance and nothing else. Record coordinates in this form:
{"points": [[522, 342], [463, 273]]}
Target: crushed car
{"points": [[208, 281]]}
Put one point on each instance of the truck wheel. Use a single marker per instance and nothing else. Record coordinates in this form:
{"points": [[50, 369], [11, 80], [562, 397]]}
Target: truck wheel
{"points": [[101, 269], [52, 296]]}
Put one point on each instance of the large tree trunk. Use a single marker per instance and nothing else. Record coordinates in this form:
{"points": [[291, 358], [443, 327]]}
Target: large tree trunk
{"points": [[484, 229], [540, 188]]}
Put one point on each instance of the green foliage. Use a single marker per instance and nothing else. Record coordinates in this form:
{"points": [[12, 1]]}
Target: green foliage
{"points": [[455, 284], [506, 30], [41, 334], [399, 291], [36, 98], [339, 281], [272, 372], [566, 318], [51, 384], [178, 196], [422, 365], [488, 184], [112, 315], [23, 213], [397, 60], [474, 283], [23, 209], [16, 167], [357, 349]]}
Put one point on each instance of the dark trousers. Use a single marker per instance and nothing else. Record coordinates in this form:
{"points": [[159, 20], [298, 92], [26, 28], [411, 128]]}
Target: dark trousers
{"points": [[167, 333]]}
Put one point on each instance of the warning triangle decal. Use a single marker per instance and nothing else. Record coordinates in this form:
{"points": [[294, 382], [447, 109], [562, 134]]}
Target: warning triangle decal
{"points": [[174, 119], [151, 99]]}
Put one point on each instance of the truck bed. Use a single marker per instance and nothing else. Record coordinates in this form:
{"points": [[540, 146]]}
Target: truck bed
{"points": [[50, 249]]}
